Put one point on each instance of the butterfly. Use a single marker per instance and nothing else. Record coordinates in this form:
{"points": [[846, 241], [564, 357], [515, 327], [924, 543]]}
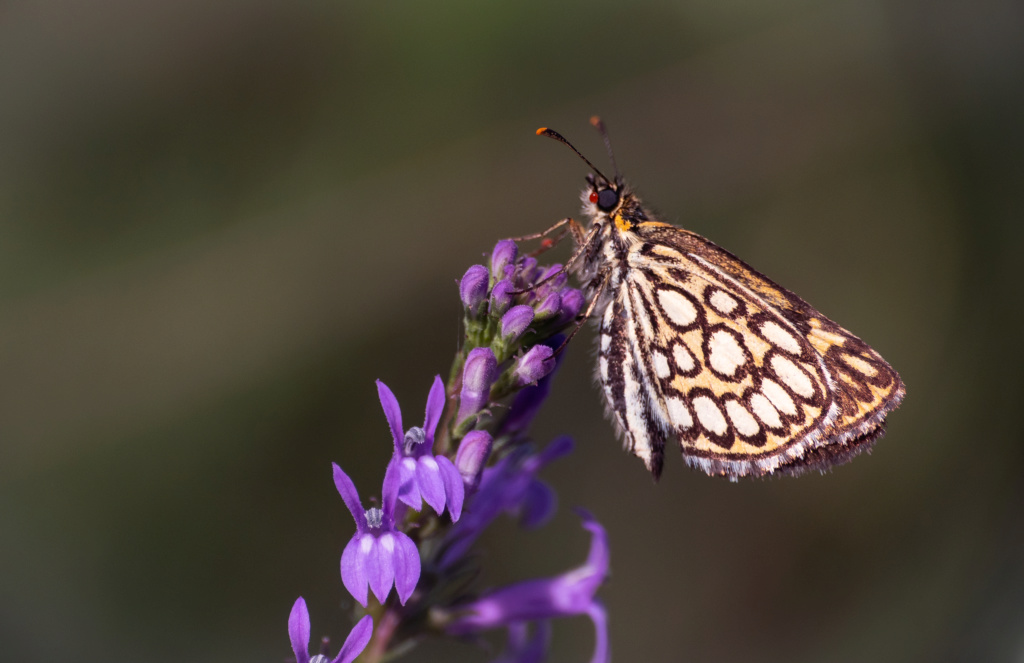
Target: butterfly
{"points": [[696, 347]]}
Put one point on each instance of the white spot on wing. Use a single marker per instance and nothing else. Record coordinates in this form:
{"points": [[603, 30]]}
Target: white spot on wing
{"points": [[793, 376], [778, 396], [684, 360], [661, 367], [725, 354], [709, 415], [602, 364], [678, 308], [677, 412], [742, 421], [606, 342], [722, 302], [774, 332], [765, 411]]}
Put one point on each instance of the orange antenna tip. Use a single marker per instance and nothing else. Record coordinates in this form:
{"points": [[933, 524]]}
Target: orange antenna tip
{"points": [[541, 130], [595, 120]]}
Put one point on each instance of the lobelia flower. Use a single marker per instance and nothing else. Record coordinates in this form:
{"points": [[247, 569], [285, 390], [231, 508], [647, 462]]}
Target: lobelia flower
{"points": [[298, 633], [378, 554], [424, 476], [566, 595]]}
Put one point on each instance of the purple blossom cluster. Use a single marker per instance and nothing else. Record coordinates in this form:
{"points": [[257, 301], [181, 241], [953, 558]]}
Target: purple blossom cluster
{"points": [[469, 466]]}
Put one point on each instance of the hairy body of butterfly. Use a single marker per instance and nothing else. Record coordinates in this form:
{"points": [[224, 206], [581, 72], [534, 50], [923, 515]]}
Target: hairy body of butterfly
{"points": [[696, 347]]}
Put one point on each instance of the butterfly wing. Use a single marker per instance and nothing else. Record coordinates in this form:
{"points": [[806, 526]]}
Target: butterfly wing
{"points": [[698, 347]]}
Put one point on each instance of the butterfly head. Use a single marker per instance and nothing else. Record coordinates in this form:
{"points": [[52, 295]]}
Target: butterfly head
{"points": [[605, 200]]}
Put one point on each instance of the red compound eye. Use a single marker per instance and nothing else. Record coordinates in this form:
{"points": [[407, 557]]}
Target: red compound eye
{"points": [[593, 196]]}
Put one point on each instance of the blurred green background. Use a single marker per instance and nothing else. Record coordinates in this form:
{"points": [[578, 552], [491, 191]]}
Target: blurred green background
{"points": [[220, 222]]}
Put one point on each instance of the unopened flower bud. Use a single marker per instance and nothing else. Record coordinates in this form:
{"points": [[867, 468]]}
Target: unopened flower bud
{"points": [[471, 458], [535, 364], [550, 306], [501, 297], [477, 377], [572, 304], [473, 288], [516, 321], [504, 254]]}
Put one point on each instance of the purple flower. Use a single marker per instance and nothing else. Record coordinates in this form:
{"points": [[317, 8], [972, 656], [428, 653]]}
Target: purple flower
{"points": [[378, 554], [470, 459], [477, 377], [504, 254], [424, 476], [515, 322], [473, 288], [534, 365], [567, 595], [501, 297], [298, 633]]}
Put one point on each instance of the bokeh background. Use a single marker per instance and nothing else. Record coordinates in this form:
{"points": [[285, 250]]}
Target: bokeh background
{"points": [[220, 222]]}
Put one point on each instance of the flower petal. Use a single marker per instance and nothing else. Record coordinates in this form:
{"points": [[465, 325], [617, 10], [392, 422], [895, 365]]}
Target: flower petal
{"points": [[600, 551], [454, 489], [380, 565], [539, 504], [409, 493], [428, 475], [435, 407], [348, 493], [298, 630], [356, 641], [393, 413], [407, 566], [391, 488], [602, 650], [353, 568]]}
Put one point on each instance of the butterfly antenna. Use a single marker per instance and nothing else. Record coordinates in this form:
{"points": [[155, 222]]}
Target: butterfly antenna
{"points": [[599, 125], [551, 133]]}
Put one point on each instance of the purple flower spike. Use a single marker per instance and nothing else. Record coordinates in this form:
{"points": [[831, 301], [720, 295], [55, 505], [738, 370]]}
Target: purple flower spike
{"points": [[478, 375], [378, 555], [298, 633], [534, 365], [472, 456], [501, 297], [504, 254], [515, 322], [566, 595], [424, 477], [473, 288]]}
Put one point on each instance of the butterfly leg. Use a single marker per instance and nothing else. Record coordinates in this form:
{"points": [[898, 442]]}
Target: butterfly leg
{"points": [[581, 247], [526, 238]]}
